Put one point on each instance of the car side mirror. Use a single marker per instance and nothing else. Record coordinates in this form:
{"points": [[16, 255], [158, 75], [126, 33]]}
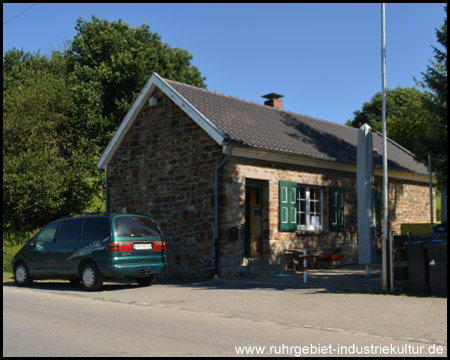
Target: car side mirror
{"points": [[32, 242]]}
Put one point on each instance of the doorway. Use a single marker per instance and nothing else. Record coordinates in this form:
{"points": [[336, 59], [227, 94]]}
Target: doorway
{"points": [[254, 219]]}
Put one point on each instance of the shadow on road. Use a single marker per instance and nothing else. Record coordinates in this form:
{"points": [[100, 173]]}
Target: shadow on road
{"points": [[351, 279], [64, 285]]}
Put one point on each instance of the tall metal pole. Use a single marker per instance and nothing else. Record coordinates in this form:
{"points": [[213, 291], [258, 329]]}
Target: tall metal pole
{"points": [[385, 169], [431, 192]]}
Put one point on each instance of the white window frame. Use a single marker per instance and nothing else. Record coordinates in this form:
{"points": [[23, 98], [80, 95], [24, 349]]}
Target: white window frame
{"points": [[308, 226]]}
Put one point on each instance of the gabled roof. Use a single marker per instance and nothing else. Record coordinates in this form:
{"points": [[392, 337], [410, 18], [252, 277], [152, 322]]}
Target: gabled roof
{"points": [[229, 119]]}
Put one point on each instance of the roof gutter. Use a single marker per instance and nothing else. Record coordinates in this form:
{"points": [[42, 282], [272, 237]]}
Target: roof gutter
{"points": [[216, 210]]}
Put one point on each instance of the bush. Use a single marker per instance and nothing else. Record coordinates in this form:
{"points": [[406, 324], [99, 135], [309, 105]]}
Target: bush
{"points": [[11, 237], [12, 242]]}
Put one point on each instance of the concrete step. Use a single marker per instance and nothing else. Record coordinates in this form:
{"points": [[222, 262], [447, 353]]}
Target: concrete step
{"points": [[261, 269]]}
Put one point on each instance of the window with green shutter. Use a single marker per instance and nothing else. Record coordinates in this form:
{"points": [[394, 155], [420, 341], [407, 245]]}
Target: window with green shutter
{"points": [[337, 205], [310, 208], [288, 206]]}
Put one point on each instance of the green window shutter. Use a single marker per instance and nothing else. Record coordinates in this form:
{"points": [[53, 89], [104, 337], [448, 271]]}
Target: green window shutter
{"points": [[288, 206], [333, 209], [341, 204], [337, 205], [378, 204]]}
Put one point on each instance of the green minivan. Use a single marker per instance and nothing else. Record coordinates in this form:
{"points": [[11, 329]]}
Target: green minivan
{"points": [[92, 248]]}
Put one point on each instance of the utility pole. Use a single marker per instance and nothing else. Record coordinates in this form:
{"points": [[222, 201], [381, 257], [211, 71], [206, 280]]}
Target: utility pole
{"points": [[385, 169]]}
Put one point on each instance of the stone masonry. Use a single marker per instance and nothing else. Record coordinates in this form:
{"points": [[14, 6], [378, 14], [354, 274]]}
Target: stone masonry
{"points": [[164, 168], [409, 203]]}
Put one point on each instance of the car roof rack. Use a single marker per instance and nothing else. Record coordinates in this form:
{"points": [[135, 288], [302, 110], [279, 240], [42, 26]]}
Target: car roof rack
{"points": [[82, 214]]}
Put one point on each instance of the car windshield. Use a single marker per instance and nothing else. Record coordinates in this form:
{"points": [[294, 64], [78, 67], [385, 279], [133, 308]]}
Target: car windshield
{"points": [[135, 226]]}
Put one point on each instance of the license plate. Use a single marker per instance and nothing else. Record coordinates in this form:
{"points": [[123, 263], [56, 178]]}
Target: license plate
{"points": [[140, 246]]}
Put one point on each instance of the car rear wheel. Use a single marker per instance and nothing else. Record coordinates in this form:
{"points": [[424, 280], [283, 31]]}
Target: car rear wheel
{"points": [[146, 281], [21, 275], [91, 278]]}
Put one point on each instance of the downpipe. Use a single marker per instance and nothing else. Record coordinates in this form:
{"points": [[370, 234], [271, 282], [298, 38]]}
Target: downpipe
{"points": [[216, 211]]}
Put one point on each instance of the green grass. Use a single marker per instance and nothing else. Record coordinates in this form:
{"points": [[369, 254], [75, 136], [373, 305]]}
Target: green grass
{"points": [[7, 277], [8, 253]]}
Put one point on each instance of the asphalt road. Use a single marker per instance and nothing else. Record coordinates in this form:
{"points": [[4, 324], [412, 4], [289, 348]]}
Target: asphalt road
{"points": [[215, 318]]}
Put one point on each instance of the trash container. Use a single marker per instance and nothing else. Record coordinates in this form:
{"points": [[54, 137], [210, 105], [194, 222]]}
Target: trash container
{"points": [[417, 267], [437, 266]]}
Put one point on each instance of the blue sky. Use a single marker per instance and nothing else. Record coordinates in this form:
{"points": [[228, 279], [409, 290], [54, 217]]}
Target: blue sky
{"points": [[325, 58]]}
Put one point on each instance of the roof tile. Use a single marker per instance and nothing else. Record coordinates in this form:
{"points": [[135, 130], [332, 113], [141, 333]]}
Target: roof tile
{"points": [[260, 126]]}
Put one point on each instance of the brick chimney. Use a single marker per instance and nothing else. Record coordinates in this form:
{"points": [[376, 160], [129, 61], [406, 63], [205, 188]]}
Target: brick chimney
{"points": [[274, 100]]}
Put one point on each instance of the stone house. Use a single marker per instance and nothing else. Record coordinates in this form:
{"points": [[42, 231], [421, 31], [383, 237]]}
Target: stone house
{"points": [[230, 181]]}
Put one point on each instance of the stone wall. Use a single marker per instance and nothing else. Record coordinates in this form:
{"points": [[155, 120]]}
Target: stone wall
{"points": [[165, 168], [409, 203]]}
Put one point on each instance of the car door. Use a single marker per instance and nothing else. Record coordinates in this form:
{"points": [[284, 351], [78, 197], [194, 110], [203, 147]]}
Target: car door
{"points": [[96, 234], [67, 243], [40, 258]]}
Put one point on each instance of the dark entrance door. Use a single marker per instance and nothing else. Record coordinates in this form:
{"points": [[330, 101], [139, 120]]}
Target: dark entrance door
{"points": [[254, 219]]}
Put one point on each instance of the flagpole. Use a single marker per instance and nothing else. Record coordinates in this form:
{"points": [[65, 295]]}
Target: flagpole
{"points": [[385, 177]]}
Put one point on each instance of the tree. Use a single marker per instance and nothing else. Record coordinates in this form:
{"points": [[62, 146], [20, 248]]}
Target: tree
{"points": [[434, 143], [417, 120], [46, 162], [406, 115], [111, 63], [59, 113]]}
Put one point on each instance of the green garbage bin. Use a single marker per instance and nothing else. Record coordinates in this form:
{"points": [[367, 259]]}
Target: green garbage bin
{"points": [[417, 267], [437, 266]]}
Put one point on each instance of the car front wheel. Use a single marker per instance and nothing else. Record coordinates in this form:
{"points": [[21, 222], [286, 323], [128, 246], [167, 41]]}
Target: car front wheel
{"points": [[21, 275], [91, 278]]}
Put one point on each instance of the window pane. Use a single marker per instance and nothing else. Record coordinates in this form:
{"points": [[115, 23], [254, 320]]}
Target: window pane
{"points": [[48, 233], [96, 228], [302, 205], [303, 193], [135, 226], [317, 191], [70, 230], [302, 219], [315, 220], [315, 207]]}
